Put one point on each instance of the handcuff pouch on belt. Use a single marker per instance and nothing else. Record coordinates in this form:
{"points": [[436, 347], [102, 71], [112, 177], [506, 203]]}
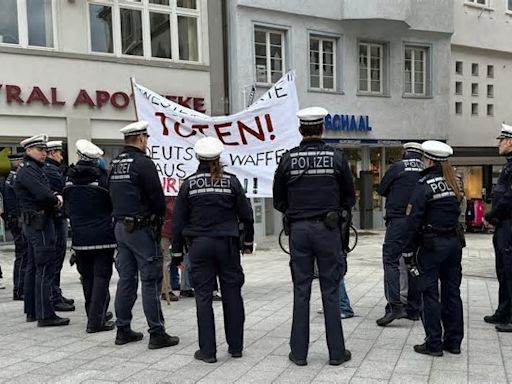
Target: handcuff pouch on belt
{"points": [[286, 225], [131, 223], [35, 218]]}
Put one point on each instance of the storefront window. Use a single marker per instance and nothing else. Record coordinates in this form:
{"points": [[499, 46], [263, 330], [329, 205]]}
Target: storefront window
{"points": [[473, 181], [376, 168], [353, 156]]}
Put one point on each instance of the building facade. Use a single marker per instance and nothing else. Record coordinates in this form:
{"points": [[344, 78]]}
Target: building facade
{"points": [[66, 65], [381, 69]]}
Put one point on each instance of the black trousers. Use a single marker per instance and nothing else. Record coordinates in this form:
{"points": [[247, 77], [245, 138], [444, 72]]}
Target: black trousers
{"points": [[439, 259], [310, 241], [211, 257], [502, 242], [61, 234], [95, 266], [20, 261]]}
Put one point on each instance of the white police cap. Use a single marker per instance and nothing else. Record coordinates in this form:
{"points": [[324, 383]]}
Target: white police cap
{"points": [[136, 128], [436, 150], [208, 148], [312, 115], [88, 150], [54, 145], [35, 141], [506, 132], [413, 147]]}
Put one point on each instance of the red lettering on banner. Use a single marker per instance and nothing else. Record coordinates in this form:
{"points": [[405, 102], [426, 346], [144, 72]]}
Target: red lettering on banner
{"points": [[170, 184], [260, 134], [199, 104], [37, 95], [221, 135], [270, 127], [102, 98], [184, 101], [12, 93], [83, 98], [55, 100], [177, 126], [200, 127], [125, 100], [162, 117]]}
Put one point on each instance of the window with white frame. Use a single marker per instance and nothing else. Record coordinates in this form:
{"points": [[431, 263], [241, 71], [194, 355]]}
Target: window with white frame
{"points": [[509, 5], [484, 3], [415, 70], [371, 68], [28, 23], [322, 63], [269, 54], [163, 29]]}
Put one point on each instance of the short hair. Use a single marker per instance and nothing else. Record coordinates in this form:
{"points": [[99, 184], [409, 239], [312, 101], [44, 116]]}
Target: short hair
{"points": [[312, 130], [131, 139]]}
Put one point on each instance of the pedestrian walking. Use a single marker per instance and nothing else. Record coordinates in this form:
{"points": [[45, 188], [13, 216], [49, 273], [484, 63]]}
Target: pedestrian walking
{"points": [[210, 205], [312, 186]]}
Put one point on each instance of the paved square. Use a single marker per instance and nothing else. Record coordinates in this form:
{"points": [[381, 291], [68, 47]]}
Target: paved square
{"points": [[379, 355]]}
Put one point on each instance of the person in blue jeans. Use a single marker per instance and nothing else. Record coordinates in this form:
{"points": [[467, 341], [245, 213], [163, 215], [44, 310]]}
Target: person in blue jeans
{"points": [[345, 308]]}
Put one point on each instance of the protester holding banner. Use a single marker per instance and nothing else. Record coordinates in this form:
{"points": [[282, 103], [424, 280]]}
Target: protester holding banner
{"points": [[209, 207], [312, 186]]}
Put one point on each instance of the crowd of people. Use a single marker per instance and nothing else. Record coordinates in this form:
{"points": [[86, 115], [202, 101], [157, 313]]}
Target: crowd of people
{"points": [[120, 217]]}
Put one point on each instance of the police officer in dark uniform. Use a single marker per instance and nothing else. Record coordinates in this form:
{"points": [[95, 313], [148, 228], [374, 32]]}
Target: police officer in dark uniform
{"points": [[53, 169], [312, 186], [434, 249], [11, 217], [500, 217], [138, 209], [210, 205], [397, 186], [37, 203], [89, 208]]}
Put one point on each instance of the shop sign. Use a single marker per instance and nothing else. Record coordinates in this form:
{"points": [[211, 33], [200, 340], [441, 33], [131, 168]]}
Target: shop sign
{"points": [[14, 94], [347, 123]]}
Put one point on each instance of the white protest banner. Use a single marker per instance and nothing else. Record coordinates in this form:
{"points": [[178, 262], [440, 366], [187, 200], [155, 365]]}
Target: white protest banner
{"points": [[254, 139]]}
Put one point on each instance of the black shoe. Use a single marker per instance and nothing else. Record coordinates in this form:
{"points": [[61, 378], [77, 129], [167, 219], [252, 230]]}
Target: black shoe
{"points": [[187, 293], [172, 296], [296, 361], [346, 357], [67, 301], [31, 318], [109, 316], [63, 307], [422, 348], [17, 296], [126, 335], [452, 350], [235, 355], [413, 316], [390, 317], [162, 340], [199, 356], [503, 327], [493, 319], [107, 326], [54, 321]]}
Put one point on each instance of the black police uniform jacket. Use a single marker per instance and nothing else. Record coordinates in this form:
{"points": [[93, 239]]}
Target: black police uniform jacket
{"points": [[54, 172], [433, 208], [88, 206], [213, 208], [135, 187], [311, 180], [502, 196], [32, 187], [11, 208], [398, 183]]}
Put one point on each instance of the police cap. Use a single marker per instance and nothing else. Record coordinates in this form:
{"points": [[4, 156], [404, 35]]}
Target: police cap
{"points": [[136, 128], [436, 150], [208, 148], [54, 145], [87, 150], [312, 115], [15, 156], [413, 147], [35, 141], [506, 132]]}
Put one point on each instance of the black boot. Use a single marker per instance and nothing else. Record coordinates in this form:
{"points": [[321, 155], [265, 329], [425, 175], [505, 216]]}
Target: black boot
{"points": [[107, 326], [422, 348], [207, 359], [494, 319], [126, 335], [299, 362], [54, 321], [160, 339], [389, 317], [346, 357], [63, 307], [16, 295]]}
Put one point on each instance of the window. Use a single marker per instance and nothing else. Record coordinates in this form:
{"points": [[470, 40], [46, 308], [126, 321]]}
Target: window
{"points": [[490, 70], [490, 90], [458, 108], [474, 109], [474, 89], [479, 2], [458, 87], [269, 55], [490, 109], [322, 59], [474, 69], [415, 66], [458, 67], [28, 23], [371, 57], [163, 29], [509, 6]]}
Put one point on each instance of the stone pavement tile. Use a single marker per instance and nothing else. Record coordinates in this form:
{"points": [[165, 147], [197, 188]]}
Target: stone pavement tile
{"points": [[59, 367], [334, 374], [172, 363], [389, 343], [374, 370], [78, 347], [390, 356], [226, 373], [103, 363], [258, 376], [295, 376], [451, 362], [19, 369], [50, 357], [146, 376], [367, 380], [30, 378], [5, 361], [415, 367], [406, 378], [489, 335], [486, 374], [78, 376], [121, 371], [94, 352], [448, 376], [94, 381]]}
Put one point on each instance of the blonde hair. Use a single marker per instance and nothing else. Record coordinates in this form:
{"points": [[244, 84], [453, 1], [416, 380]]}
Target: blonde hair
{"points": [[451, 178], [215, 169]]}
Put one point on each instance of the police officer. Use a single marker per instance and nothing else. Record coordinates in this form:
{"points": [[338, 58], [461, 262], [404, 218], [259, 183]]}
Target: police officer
{"points": [[89, 208], [312, 185], [37, 203], [434, 244], [138, 210], [500, 217], [397, 186], [11, 217], [209, 207], [53, 169]]}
